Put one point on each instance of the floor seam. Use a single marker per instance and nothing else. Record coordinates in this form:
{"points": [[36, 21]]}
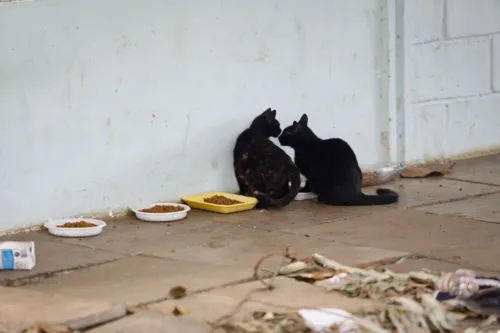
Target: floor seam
{"points": [[471, 181], [39, 277], [465, 217], [468, 197]]}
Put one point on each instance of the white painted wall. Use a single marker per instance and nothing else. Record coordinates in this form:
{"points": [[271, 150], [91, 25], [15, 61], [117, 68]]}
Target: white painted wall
{"points": [[115, 102], [452, 78]]}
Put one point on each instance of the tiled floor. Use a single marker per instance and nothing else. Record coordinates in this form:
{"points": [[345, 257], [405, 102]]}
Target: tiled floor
{"points": [[451, 222]]}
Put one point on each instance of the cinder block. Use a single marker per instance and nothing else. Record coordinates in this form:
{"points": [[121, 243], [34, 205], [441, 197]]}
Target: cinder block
{"points": [[452, 128], [426, 20], [424, 130], [472, 125], [496, 63], [472, 17], [451, 69]]}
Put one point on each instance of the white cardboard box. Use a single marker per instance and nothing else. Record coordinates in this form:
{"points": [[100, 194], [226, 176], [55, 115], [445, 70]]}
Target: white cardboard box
{"points": [[17, 255]]}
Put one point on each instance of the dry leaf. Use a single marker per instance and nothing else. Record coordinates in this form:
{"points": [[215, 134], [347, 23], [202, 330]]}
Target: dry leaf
{"points": [[177, 292], [47, 328], [318, 276], [32, 329], [422, 171], [293, 267], [179, 311], [53, 328]]}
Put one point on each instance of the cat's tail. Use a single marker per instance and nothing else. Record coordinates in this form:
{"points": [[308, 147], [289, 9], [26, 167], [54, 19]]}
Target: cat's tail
{"points": [[383, 197], [294, 177]]}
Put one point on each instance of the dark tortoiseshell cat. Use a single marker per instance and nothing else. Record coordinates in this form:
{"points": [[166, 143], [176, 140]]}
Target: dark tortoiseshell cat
{"points": [[331, 168], [262, 169]]}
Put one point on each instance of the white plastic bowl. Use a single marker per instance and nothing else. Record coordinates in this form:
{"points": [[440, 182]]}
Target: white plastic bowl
{"points": [[305, 195], [160, 217], [53, 228]]}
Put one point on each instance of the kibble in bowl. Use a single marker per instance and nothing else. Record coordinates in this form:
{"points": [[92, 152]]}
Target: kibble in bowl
{"points": [[79, 224], [161, 212], [221, 200], [75, 227], [159, 209]]}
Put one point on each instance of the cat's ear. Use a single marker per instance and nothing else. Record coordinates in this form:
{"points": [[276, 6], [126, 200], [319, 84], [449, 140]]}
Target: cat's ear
{"points": [[294, 123], [303, 120], [269, 115]]}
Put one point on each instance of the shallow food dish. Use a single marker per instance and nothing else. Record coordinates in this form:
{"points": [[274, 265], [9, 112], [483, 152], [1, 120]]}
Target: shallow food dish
{"points": [[198, 201], [160, 217], [305, 195], [55, 229]]}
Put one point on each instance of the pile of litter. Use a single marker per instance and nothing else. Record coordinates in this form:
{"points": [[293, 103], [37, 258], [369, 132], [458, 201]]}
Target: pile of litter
{"points": [[397, 314], [424, 302]]}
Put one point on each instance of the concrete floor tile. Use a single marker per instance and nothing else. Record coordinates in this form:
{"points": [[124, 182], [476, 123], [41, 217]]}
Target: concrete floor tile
{"points": [[126, 234], [296, 215], [416, 192], [486, 208], [244, 252], [289, 295], [484, 169], [55, 256], [412, 231], [139, 279], [153, 322], [20, 308], [165, 244], [478, 255]]}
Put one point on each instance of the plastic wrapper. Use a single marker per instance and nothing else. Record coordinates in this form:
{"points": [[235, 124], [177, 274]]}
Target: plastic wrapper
{"points": [[378, 176]]}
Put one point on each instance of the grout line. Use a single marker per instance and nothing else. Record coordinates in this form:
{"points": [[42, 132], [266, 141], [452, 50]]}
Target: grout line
{"points": [[465, 217], [39, 277], [492, 65], [439, 202], [454, 99], [471, 181], [452, 39], [445, 20]]}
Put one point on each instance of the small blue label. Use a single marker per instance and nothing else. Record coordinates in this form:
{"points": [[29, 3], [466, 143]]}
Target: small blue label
{"points": [[8, 260]]}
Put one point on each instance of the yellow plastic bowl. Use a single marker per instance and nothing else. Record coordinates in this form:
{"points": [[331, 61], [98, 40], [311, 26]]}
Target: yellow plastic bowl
{"points": [[196, 201]]}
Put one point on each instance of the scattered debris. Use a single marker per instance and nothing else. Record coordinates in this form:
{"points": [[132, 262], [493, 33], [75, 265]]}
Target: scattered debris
{"points": [[179, 311], [480, 299], [324, 319], [177, 292], [460, 283], [403, 302], [46, 328], [399, 314]]}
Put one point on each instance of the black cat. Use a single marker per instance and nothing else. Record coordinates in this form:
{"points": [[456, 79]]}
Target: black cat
{"points": [[263, 170], [331, 168]]}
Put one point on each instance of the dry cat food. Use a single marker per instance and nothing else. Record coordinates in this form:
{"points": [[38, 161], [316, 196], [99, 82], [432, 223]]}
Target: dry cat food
{"points": [[79, 224], [163, 209], [221, 200]]}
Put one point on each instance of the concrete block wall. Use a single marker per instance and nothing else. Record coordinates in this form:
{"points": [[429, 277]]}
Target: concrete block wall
{"points": [[452, 78]]}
